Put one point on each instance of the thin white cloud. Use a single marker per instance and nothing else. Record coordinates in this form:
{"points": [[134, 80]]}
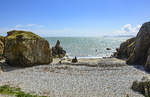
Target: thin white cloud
{"points": [[128, 29], [30, 25], [19, 26], [27, 26]]}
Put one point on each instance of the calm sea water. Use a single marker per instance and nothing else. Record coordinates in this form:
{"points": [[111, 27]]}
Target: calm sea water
{"points": [[86, 47]]}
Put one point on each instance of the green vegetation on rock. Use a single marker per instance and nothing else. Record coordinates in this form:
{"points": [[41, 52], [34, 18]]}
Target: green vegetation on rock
{"points": [[26, 34], [12, 91], [142, 86], [131, 44], [126, 48], [24, 49]]}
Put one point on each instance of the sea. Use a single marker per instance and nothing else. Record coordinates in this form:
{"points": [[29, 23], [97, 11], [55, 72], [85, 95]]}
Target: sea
{"points": [[88, 47]]}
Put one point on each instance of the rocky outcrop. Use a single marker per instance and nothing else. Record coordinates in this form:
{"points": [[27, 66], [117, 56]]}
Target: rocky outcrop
{"points": [[142, 86], [57, 51], [136, 50], [1, 47], [125, 49], [24, 48], [74, 60], [142, 44]]}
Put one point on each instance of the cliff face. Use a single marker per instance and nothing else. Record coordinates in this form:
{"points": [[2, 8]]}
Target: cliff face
{"points": [[26, 49], [136, 49]]}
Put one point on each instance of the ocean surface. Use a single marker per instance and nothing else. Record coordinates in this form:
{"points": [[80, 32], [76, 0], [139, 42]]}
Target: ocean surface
{"points": [[88, 47]]}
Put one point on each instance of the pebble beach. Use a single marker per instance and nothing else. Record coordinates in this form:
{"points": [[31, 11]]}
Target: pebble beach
{"points": [[108, 77]]}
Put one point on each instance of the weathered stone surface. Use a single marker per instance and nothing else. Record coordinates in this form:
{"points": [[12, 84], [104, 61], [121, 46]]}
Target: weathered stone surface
{"points": [[136, 49], [147, 65], [142, 86], [26, 49], [142, 44], [57, 51], [1, 47], [125, 49]]}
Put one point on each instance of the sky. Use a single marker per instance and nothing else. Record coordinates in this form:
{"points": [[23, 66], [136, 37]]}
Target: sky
{"points": [[50, 18]]}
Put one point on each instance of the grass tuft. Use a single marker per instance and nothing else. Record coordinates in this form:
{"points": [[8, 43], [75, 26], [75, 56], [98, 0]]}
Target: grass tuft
{"points": [[7, 90]]}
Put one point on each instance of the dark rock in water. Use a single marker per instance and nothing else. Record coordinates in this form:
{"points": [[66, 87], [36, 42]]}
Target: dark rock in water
{"points": [[1, 47], [142, 86], [136, 50], [57, 51], [24, 48], [108, 48], [74, 60]]}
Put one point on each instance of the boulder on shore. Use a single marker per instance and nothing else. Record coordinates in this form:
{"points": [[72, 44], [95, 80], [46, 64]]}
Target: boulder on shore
{"points": [[142, 86], [24, 49], [57, 51], [74, 60]]}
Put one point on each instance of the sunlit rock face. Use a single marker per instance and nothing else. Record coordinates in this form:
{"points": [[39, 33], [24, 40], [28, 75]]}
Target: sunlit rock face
{"points": [[24, 48], [58, 51]]}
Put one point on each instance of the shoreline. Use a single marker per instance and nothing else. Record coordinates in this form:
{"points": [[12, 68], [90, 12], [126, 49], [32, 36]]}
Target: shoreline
{"points": [[92, 57]]}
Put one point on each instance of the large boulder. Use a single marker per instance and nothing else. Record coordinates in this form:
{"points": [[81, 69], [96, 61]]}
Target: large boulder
{"points": [[24, 48], [142, 86], [57, 51]]}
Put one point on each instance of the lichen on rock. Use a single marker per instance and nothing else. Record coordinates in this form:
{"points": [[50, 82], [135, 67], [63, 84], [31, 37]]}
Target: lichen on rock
{"points": [[142, 86], [24, 48]]}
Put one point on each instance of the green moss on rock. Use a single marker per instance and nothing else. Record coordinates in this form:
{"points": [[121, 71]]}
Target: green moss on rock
{"points": [[142, 86], [125, 48], [26, 34], [23, 49]]}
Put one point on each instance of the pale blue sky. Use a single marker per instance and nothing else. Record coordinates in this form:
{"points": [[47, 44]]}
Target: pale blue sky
{"points": [[74, 17]]}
